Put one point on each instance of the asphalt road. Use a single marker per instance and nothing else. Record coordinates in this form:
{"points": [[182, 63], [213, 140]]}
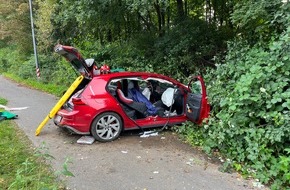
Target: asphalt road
{"points": [[129, 163]]}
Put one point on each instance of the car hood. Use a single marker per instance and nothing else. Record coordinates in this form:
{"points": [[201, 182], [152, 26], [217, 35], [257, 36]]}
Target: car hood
{"points": [[73, 56]]}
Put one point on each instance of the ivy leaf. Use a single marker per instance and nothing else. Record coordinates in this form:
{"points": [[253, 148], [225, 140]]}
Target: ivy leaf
{"points": [[275, 100], [286, 105], [233, 107]]}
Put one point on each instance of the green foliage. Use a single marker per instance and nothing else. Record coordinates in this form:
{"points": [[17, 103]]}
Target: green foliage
{"points": [[190, 45], [26, 70], [56, 73], [57, 90], [4, 64], [191, 133], [188, 48], [3, 101], [15, 26], [20, 169], [251, 116], [145, 35], [257, 21], [7, 57], [65, 171], [14, 62], [249, 89], [55, 70], [29, 174], [23, 168], [42, 21]]}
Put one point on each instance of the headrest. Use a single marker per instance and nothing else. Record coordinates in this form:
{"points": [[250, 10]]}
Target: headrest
{"points": [[89, 62], [130, 85]]}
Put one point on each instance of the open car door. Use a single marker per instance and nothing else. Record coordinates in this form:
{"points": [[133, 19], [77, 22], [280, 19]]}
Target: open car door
{"points": [[75, 58], [197, 107]]}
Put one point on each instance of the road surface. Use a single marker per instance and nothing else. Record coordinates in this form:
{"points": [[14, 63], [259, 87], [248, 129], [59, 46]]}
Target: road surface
{"points": [[128, 163]]}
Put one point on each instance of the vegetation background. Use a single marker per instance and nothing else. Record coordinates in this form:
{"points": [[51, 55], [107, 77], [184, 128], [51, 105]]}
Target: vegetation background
{"points": [[240, 47]]}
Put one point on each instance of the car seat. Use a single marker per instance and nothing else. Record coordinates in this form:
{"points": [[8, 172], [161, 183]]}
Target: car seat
{"points": [[173, 102], [130, 103], [135, 94]]}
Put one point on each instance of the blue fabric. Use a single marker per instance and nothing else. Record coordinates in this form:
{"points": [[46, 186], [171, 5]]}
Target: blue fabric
{"points": [[137, 96]]}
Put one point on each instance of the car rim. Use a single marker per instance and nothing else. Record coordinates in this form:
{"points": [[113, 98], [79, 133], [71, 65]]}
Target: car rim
{"points": [[108, 127]]}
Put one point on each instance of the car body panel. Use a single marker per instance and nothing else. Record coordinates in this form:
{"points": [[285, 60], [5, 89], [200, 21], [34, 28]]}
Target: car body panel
{"points": [[73, 56], [99, 95], [197, 100]]}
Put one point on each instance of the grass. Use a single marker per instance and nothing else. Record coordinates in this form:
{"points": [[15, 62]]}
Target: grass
{"points": [[57, 90], [3, 101], [21, 166]]}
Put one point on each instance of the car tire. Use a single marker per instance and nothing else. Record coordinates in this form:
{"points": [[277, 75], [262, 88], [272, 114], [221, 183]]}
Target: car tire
{"points": [[107, 127]]}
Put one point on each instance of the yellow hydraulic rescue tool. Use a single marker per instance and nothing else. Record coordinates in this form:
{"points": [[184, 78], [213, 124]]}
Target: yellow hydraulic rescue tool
{"points": [[59, 104]]}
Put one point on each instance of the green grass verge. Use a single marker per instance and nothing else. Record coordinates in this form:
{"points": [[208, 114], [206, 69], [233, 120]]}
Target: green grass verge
{"points": [[57, 90], [3, 101], [21, 166]]}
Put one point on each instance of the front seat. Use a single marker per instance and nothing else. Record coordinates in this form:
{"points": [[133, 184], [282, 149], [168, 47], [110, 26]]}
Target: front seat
{"points": [[137, 96], [137, 106]]}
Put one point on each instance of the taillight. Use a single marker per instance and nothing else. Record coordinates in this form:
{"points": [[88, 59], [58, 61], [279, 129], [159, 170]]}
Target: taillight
{"points": [[77, 101]]}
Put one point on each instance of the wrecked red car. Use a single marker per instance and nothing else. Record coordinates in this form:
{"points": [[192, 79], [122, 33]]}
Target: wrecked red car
{"points": [[106, 102]]}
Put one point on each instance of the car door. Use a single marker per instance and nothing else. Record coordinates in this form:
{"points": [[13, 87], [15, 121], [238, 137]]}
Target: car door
{"points": [[197, 107]]}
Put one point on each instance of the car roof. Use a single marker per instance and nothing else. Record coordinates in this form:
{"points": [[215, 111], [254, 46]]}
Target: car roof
{"points": [[140, 75]]}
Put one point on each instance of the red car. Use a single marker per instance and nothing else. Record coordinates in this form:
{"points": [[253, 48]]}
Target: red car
{"points": [[107, 102]]}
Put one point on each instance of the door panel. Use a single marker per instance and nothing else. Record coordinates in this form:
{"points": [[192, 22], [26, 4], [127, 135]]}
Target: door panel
{"points": [[197, 107], [193, 106]]}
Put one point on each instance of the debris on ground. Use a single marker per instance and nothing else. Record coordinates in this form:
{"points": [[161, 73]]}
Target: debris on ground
{"points": [[86, 140], [12, 109], [7, 115], [148, 134], [257, 184]]}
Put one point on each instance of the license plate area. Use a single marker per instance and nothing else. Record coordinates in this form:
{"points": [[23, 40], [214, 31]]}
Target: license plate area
{"points": [[57, 119]]}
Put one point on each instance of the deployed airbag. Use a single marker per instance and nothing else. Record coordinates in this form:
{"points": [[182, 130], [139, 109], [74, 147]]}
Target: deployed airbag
{"points": [[167, 96]]}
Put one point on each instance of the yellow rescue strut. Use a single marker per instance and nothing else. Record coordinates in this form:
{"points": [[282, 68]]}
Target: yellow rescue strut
{"points": [[59, 104]]}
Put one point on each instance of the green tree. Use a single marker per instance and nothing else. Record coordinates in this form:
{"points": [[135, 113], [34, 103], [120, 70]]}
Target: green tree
{"points": [[258, 21], [45, 28], [15, 25]]}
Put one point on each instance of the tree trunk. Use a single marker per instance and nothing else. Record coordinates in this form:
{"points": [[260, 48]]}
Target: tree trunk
{"points": [[180, 10], [158, 12]]}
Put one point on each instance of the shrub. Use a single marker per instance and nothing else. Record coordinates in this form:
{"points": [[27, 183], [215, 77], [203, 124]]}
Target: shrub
{"points": [[251, 116], [8, 58]]}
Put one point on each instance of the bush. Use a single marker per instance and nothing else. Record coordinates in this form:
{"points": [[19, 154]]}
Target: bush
{"points": [[8, 57], [251, 116]]}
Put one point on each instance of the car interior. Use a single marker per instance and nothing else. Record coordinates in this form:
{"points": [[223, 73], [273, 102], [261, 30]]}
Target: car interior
{"points": [[150, 97]]}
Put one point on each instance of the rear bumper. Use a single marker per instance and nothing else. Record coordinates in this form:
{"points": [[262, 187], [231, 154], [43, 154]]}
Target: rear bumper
{"points": [[73, 121]]}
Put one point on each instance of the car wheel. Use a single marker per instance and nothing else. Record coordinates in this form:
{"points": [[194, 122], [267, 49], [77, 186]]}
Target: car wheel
{"points": [[107, 127]]}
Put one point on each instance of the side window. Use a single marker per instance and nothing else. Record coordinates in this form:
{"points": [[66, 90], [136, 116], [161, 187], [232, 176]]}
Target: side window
{"points": [[112, 86], [142, 84], [164, 86], [196, 87]]}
